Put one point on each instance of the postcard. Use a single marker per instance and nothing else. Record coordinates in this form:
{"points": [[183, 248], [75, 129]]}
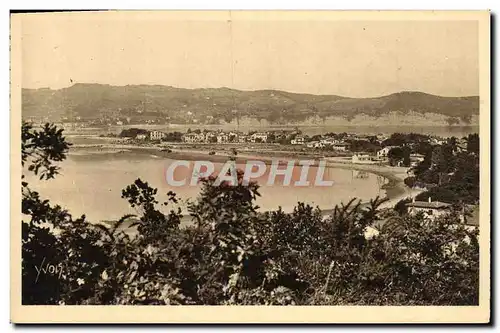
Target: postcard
{"points": [[250, 167]]}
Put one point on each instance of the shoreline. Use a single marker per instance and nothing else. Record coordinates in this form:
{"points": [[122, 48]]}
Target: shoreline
{"points": [[394, 189]]}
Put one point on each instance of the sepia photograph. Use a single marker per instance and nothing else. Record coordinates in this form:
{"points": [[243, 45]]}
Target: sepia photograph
{"points": [[285, 166]]}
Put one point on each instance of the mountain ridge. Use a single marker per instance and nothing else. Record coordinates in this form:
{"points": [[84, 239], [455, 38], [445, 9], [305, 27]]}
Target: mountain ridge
{"points": [[203, 105]]}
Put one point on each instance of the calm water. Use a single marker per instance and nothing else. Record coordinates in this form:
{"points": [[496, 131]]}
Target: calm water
{"points": [[91, 184]]}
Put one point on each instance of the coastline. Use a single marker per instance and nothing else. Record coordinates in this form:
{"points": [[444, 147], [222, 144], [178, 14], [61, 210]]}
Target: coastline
{"points": [[395, 189]]}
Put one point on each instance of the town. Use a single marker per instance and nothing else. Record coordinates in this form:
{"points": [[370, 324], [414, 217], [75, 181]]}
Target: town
{"points": [[398, 149]]}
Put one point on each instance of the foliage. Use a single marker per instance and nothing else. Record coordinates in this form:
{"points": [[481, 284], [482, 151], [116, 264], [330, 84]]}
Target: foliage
{"points": [[399, 154], [473, 143], [456, 172], [132, 132], [402, 139], [364, 146], [173, 136], [233, 254]]}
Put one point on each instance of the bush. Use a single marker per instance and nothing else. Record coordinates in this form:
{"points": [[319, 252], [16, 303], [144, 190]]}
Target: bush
{"points": [[233, 254]]}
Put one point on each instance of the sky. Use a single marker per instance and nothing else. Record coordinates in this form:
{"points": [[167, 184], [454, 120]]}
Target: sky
{"points": [[364, 58]]}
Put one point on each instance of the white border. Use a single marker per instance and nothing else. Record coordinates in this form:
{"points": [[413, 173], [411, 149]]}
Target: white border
{"points": [[190, 4]]}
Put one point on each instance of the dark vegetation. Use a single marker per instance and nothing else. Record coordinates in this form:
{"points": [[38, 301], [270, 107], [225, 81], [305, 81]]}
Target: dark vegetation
{"points": [[450, 174], [454, 172], [133, 132], [233, 254]]}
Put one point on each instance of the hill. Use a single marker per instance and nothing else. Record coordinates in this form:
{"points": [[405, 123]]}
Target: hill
{"points": [[216, 105]]}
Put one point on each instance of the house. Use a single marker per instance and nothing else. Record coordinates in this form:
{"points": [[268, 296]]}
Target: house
{"points": [[233, 136], [141, 137], [258, 137], [210, 137], [222, 138], [312, 144], [193, 137], [431, 209], [242, 138], [329, 141], [299, 140], [384, 152], [362, 159], [415, 159], [156, 135], [470, 217], [319, 145], [438, 141]]}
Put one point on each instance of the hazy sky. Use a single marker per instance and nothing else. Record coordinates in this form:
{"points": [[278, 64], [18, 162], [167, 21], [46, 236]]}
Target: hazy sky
{"points": [[349, 58]]}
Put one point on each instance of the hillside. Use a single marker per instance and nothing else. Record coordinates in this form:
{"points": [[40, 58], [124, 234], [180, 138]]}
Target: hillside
{"points": [[165, 103]]}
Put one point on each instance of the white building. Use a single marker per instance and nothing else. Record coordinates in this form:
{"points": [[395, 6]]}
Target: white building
{"points": [[330, 141], [141, 137], [340, 146], [384, 152], [222, 138], [258, 137], [193, 137], [156, 135], [209, 137], [299, 140], [415, 159], [431, 209], [362, 159]]}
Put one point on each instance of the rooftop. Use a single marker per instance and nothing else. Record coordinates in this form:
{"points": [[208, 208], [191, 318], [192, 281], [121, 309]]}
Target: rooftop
{"points": [[431, 205]]}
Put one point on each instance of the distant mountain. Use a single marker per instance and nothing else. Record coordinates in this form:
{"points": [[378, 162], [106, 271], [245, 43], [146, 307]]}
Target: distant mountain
{"points": [[98, 101]]}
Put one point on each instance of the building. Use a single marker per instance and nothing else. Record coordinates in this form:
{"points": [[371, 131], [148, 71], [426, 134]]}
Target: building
{"points": [[156, 135], [233, 136], [141, 136], [299, 140], [438, 141], [312, 144], [242, 138], [384, 152], [330, 141], [319, 145], [431, 209], [210, 137], [362, 159], [258, 137], [222, 138], [193, 137], [415, 159]]}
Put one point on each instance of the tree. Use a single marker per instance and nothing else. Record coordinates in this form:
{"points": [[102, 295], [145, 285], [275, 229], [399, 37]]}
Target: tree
{"points": [[232, 253], [401, 207], [55, 247], [473, 143], [442, 161], [132, 132], [398, 154]]}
